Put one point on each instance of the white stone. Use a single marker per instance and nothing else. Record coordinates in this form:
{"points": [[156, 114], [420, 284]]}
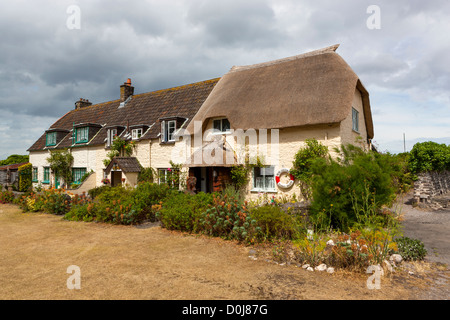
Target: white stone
{"points": [[321, 267], [387, 266], [330, 270], [396, 258], [305, 266], [310, 269], [330, 243]]}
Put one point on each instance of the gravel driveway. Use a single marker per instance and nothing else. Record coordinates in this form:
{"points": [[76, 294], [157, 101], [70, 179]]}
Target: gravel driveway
{"points": [[430, 226]]}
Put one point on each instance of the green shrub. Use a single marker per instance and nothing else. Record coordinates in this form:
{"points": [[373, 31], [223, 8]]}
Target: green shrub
{"points": [[93, 193], [411, 249], [229, 219], [338, 186], [55, 201], [275, 223], [303, 163], [146, 175], [183, 211], [429, 156], [145, 196], [25, 177]]}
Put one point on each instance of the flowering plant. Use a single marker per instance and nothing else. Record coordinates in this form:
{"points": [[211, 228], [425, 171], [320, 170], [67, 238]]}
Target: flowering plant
{"points": [[106, 181]]}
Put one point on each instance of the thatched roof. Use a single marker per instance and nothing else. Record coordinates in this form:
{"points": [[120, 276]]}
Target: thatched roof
{"points": [[313, 88]]}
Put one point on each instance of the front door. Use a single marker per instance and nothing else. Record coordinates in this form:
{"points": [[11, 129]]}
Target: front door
{"points": [[116, 178], [57, 182]]}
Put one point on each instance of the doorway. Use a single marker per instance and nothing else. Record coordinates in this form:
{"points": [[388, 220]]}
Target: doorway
{"points": [[116, 178]]}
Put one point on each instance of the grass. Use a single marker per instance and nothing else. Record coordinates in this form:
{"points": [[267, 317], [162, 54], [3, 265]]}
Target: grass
{"points": [[125, 262]]}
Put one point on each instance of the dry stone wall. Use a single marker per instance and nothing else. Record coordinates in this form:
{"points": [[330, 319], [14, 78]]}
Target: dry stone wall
{"points": [[430, 185]]}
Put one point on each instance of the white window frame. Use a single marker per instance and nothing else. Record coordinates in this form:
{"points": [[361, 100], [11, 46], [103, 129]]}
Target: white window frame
{"points": [[221, 130], [110, 137], [136, 133], [271, 187], [167, 133]]}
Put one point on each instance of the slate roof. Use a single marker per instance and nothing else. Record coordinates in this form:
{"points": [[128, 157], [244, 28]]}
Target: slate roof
{"points": [[14, 166], [143, 109], [126, 164]]}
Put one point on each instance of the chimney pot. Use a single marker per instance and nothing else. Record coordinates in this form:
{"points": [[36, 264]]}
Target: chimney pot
{"points": [[126, 90], [82, 103]]}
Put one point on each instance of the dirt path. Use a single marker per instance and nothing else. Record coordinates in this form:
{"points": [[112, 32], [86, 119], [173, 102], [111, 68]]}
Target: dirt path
{"points": [[123, 262]]}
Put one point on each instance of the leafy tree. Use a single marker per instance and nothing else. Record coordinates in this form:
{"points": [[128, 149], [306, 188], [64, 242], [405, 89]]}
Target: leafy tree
{"points": [[14, 158], [429, 156], [60, 161]]}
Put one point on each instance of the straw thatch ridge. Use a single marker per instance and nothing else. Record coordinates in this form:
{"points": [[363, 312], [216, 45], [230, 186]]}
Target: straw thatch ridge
{"points": [[309, 89]]}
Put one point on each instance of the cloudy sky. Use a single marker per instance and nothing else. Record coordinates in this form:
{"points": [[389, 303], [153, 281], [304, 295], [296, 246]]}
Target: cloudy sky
{"points": [[49, 58]]}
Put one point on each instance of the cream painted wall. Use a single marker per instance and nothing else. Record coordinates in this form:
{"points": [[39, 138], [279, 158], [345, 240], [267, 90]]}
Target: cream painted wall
{"points": [[348, 135]]}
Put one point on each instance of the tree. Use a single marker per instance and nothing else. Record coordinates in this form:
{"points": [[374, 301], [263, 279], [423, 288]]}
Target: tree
{"points": [[60, 161], [14, 158], [429, 156]]}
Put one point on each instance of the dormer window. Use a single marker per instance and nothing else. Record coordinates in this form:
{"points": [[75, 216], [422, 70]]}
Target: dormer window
{"points": [[54, 136], [82, 135], [112, 133], [221, 125], [136, 133], [50, 139], [168, 128], [84, 132]]}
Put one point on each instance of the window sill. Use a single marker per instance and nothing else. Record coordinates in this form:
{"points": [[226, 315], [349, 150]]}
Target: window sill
{"points": [[45, 182], [167, 142], [263, 191]]}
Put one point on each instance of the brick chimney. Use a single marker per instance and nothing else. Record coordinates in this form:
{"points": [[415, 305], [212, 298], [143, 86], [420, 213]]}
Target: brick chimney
{"points": [[82, 103], [126, 90]]}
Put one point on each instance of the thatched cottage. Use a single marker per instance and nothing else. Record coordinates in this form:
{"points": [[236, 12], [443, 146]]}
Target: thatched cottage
{"points": [[265, 111], [284, 102]]}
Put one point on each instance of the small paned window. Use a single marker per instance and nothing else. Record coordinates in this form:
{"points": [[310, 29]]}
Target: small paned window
{"points": [[355, 120], [221, 125]]}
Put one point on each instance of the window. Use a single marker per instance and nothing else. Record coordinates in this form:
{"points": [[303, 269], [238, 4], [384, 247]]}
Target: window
{"points": [[82, 134], [77, 174], [46, 175], [263, 179], [355, 120], [50, 139], [167, 130], [112, 133], [136, 133], [221, 125], [168, 176], [34, 176]]}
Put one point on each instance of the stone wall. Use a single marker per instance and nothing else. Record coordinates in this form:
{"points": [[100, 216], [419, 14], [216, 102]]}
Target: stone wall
{"points": [[430, 185]]}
